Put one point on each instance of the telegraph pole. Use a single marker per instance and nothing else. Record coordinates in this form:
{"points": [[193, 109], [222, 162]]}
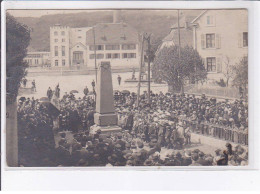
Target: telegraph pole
{"points": [[148, 39], [140, 72], [179, 50], [94, 36], [179, 34]]}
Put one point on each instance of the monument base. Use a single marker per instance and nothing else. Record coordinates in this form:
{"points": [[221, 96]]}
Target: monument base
{"points": [[109, 119], [105, 129]]}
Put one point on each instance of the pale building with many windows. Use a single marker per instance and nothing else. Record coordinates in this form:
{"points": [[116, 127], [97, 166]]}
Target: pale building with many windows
{"points": [[117, 43], [221, 38], [38, 59]]}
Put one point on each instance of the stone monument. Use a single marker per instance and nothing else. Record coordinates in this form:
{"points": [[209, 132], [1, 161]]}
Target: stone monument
{"points": [[105, 117]]}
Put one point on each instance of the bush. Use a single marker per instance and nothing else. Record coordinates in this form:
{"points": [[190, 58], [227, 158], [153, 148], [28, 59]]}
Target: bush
{"points": [[221, 83]]}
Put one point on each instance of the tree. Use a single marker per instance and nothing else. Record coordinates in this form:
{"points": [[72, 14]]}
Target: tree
{"points": [[241, 74], [17, 41], [175, 71], [228, 71]]}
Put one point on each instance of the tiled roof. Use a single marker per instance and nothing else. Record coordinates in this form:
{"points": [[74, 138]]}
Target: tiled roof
{"points": [[183, 21], [112, 33], [186, 36]]}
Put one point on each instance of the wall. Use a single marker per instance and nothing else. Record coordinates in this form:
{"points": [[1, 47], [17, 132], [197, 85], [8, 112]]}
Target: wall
{"points": [[43, 59], [59, 29], [78, 47], [133, 62], [229, 25]]}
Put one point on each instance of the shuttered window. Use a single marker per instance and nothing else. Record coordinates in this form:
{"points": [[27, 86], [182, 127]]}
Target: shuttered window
{"points": [[210, 40], [245, 39], [56, 50], [211, 64]]}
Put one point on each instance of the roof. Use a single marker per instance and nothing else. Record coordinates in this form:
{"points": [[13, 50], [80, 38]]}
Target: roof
{"points": [[112, 33], [201, 14], [38, 52], [183, 21], [78, 44], [186, 37], [82, 28]]}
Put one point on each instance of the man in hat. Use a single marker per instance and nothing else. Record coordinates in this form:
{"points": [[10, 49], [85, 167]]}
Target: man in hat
{"points": [[49, 93], [119, 79], [181, 133], [86, 91]]}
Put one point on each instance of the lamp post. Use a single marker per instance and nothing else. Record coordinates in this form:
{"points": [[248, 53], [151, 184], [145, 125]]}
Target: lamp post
{"points": [[94, 37]]}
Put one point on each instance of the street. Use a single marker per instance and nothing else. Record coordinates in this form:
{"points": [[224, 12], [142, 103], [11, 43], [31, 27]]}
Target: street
{"points": [[79, 82]]}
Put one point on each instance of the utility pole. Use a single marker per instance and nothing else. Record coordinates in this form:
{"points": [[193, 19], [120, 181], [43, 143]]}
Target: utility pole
{"points": [[140, 72], [94, 36], [179, 50], [179, 34], [148, 39]]}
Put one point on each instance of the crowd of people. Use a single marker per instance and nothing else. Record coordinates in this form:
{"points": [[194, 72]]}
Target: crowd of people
{"points": [[153, 134]]}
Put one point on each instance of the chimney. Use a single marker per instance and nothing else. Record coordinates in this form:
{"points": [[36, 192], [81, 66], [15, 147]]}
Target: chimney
{"points": [[116, 16]]}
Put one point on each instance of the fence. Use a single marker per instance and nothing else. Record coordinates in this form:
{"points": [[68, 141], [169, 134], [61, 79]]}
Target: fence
{"points": [[218, 131], [214, 91]]}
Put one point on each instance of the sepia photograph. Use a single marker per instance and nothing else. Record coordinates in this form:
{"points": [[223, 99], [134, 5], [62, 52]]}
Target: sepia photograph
{"points": [[127, 87]]}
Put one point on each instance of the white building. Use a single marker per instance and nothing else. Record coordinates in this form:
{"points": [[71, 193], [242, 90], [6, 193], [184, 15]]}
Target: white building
{"points": [[74, 47], [221, 38], [115, 42], [38, 59]]}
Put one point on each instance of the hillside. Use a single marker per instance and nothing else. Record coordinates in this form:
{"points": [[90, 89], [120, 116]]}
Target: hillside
{"points": [[156, 22]]}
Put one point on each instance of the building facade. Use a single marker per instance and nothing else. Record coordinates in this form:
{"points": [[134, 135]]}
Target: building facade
{"points": [[117, 43], [221, 38], [38, 59], [59, 46]]}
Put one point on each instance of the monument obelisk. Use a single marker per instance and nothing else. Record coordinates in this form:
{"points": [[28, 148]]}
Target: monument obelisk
{"points": [[105, 117]]}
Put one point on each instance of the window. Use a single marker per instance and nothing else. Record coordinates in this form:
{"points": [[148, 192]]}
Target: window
{"points": [[63, 40], [116, 56], [128, 55], [128, 46], [245, 39], [100, 56], [78, 55], [79, 37], [55, 33], [112, 47], [98, 47], [56, 50], [109, 56], [63, 50], [63, 62], [210, 40], [92, 56], [36, 61], [56, 62], [63, 33], [210, 20], [131, 55], [211, 64], [56, 40]]}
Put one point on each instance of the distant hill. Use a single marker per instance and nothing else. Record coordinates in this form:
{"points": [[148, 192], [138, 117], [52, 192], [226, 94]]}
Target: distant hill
{"points": [[156, 22]]}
